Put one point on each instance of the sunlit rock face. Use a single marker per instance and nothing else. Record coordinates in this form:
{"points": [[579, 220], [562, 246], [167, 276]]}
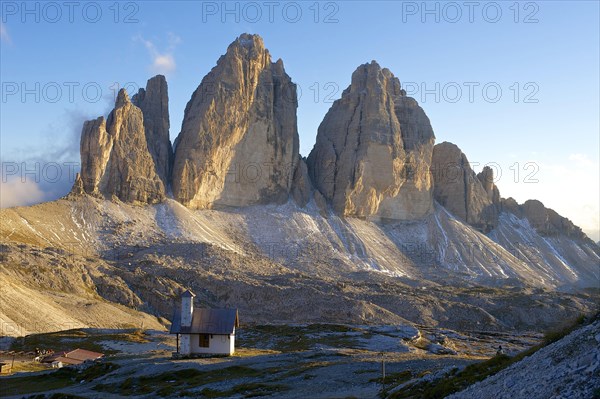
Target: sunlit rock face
{"points": [[239, 142], [154, 103], [373, 151], [115, 159]]}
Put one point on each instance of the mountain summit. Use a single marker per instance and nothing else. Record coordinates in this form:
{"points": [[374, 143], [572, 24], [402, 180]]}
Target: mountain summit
{"points": [[377, 226], [239, 142], [115, 158], [373, 150]]}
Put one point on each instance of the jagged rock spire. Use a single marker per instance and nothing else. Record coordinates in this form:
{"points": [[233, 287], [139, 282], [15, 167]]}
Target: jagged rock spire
{"points": [[373, 150], [239, 143]]}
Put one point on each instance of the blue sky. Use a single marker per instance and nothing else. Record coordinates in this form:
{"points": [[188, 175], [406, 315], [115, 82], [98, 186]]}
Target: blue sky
{"points": [[541, 132]]}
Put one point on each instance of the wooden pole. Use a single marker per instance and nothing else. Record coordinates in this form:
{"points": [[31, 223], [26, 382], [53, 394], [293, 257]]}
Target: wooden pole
{"points": [[382, 373]]}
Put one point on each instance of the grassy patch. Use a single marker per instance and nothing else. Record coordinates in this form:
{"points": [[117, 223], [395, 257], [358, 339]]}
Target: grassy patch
{"points": [[57, 395], [366, 371], [168, 383], [58, 379], [250, 390], [303, 368], [251, 352], [20, 367], [453, 381], [560, 332], [395, 378], [456, 381], [76, 338], [286, 338]]}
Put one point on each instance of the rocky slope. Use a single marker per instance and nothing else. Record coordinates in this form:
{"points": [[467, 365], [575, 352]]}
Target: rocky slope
{"points": [[548, 243], [239, 143], [373, 150], [371, 228], [568, 368], [275, 263], [115, 160]]}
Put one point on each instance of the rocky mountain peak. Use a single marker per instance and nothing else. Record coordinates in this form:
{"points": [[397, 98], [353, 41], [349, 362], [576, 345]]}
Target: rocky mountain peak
{"points": [[545, 220], [472, 198], [122, 99], [239, 142], [250, 42], [373, 150], [248, 47], [115, 160], [371, 75], [154, 103]]}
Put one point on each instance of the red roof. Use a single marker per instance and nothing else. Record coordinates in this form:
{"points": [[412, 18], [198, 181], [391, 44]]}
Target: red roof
{"points": [[76, 356], [83, 355]]}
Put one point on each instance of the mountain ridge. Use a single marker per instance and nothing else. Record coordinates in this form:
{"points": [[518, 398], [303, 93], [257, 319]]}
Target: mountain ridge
{"points": [[373, 222]]}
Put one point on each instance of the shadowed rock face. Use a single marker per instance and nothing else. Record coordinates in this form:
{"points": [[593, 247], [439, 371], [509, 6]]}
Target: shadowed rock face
{"points": [[115, 160], [154, 103], [239, 143], [546, 221], [474, 199], [373, 150]]}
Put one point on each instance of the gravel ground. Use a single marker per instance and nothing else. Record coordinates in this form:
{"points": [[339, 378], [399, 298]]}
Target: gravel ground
{"points": [[334, 362]]}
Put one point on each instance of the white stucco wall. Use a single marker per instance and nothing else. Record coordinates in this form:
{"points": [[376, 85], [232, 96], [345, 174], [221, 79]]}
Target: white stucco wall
{"points": [[187, 310], [185, 347], [217, 344]]}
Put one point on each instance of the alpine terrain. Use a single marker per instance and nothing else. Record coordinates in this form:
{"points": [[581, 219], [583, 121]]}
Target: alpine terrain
{"points": [[378, 225]]}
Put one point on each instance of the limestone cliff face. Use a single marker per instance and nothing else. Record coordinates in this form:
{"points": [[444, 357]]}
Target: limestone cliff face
{"points": [[373, 150], [239, 143], [154, 103], [473, 198], [546, 221], [115, 160], [476, 200]]}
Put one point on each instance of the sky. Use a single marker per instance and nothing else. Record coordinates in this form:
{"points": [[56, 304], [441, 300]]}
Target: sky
{"points": [[514, 84]]}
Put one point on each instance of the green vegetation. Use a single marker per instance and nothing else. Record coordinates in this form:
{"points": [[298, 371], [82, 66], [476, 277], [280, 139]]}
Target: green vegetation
{"points": [[58, 379], [556, 334], [303, 368], [286, 338], [20, 367], [167, 383], [188, 381], [76, 338], [250, 390], [456, 381], [395, 378], [57, 395], [453, 381]]}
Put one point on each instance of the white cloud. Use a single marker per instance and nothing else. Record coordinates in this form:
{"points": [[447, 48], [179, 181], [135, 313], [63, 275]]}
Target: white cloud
{"points": [[15, 192], [4, 36], [162, 61], [582, 160]]}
